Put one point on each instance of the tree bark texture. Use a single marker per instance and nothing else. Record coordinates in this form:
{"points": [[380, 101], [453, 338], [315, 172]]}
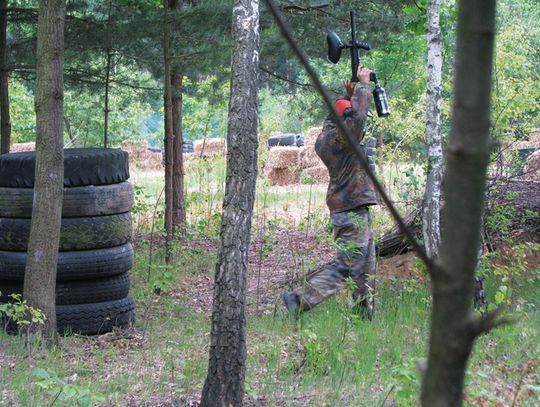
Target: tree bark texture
{"points": [[179, 210], [169, 132], [224, 385], [453, 328], [40, 273], [431, 227], [106, 109], [5, 126]]}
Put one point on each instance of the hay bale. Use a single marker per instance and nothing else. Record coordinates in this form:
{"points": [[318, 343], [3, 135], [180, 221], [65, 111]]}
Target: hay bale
{"points": [[318, 174], [141, 157], [311, 136], [283, 157], [532, 166], [215, 146], [20, 147], [309, 158], [282, 176]]}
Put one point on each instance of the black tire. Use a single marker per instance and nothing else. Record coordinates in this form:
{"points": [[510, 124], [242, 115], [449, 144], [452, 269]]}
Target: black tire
{"points": [[187, 146], [283, 140], [82, 166], [78, 201], [78, 291], [75, 234], [97, 318], [78, 265]]}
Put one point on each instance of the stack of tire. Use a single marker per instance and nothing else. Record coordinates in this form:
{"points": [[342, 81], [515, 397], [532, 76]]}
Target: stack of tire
{"points": [[95, 254], [286, 140]]}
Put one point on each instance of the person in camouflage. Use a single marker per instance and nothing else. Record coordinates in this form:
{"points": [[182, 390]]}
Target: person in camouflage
{"points": [[350, 193]]}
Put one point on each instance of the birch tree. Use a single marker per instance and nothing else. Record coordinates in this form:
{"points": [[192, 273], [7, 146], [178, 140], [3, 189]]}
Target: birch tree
{"points": [[432, 196], [224, 385]]}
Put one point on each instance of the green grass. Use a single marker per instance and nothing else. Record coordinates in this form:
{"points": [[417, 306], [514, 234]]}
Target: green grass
{"points": [[330, 356]]}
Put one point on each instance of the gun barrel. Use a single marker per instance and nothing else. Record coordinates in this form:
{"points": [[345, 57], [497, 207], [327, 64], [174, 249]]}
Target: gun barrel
{"points": [[355, 60]]}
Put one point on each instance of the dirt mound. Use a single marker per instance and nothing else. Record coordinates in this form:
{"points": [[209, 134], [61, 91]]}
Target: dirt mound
{"points": [[141, 157], [210, 147], [532, 166], [20, 147]]}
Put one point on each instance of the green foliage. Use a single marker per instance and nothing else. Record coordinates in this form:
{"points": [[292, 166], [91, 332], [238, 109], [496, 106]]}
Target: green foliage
{"points": [[20, 312], [516, 86], [23, 118], [53, 388], [205, 107], [406, 382], [511, 271]]}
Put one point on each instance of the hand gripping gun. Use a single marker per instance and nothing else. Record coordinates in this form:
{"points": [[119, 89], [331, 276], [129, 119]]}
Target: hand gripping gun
{"points": [[335, 46]]}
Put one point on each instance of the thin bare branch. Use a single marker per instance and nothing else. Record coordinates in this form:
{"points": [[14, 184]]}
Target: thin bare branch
{"points": [[486, 323]]}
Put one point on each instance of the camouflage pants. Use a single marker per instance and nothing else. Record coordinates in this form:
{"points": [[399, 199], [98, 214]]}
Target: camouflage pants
{"points": [[355, 258]]}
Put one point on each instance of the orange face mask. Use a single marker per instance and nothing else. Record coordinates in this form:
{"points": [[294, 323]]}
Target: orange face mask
{"points": [[342, 105]]}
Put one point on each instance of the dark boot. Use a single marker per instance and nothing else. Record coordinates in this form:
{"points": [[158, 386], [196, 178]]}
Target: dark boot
{"points": [[292, 303]]}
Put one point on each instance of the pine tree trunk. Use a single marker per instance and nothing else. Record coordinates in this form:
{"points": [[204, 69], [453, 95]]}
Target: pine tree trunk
{"points": [[40, 273], [106, 109], [169, 134], [5, 126], [453, 329], [224, 385], [432, 198], [179, 210]]}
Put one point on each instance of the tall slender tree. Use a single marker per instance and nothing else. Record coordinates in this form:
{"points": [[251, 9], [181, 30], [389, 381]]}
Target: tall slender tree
{"points": [[40, 273], [224, 385], [178, 210], [453, 327], [432, 197], [5, 125], [169, 131]]}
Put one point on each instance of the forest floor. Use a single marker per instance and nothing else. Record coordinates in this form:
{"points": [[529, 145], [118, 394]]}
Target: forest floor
{"points": [[329, 357]]}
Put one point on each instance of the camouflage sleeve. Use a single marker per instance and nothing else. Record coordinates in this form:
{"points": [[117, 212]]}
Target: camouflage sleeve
{"points": [[360, 106]]}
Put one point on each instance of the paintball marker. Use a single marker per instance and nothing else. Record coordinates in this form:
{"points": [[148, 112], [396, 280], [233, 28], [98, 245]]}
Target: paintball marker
{"points": [[335, 46]]}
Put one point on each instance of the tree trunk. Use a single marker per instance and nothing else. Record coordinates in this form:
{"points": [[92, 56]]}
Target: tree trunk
{"points": [[179, 210], [430, 219], [169, 134], [106, 110], [40, 273], [224, 385], [453, 329], [5, 126]]}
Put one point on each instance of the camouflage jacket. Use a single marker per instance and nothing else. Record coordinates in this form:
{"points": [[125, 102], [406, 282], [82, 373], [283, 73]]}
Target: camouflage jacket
{"points": [[349, 186]]}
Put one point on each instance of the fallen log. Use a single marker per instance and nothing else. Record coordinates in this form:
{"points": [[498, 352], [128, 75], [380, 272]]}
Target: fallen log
{"points": [[510, 205]]}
